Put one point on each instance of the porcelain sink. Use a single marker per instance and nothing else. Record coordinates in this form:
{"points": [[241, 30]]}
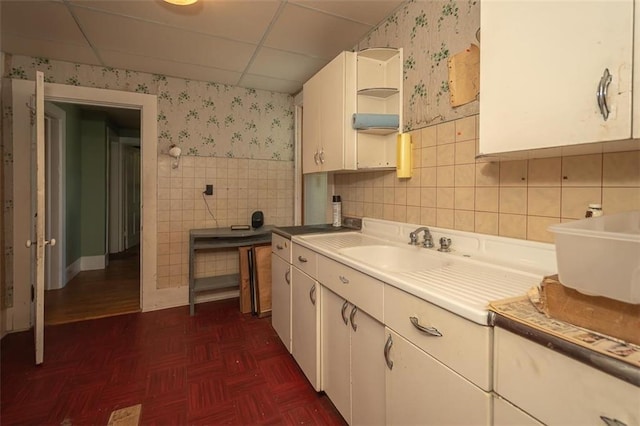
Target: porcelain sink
{"points": [[393, 258]]}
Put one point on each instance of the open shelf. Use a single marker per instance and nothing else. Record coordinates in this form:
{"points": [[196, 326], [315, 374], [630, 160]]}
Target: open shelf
{"points": [[378, 92], [378, 53], [382, 131]]}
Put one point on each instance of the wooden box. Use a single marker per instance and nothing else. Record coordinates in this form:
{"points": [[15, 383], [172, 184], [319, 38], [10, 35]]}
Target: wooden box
{"points": [[611, 317]]}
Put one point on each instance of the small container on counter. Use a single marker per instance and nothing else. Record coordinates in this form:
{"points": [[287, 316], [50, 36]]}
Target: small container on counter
{"points": [[337, 211]]}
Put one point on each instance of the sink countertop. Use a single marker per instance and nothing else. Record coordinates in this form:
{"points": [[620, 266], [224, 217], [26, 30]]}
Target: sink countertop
{"points": [[464, 286]]}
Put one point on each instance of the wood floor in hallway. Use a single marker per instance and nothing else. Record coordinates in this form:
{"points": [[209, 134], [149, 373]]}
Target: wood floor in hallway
{"points": [[217, 367], [114, 290]]}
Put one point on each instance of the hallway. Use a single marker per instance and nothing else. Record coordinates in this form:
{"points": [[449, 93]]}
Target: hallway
{"points": [[98, 294]]}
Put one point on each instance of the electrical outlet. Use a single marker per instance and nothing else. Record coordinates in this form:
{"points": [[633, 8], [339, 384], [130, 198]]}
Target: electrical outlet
{"points": [[208, 190]]}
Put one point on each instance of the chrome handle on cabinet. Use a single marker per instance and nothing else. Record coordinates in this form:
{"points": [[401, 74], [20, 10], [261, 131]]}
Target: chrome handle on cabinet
{"points": [[287, 276], [312, 294], [315, 158], [612, 422], [344, 279], [344, 309], [432, 331], [279, 246], [387, 350], [321, 157], [601, 93], [302, 259], [354, 311]]}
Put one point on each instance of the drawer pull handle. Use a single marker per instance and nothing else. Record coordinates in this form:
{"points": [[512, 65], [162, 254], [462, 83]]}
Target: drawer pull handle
{"points": [[279, 246], [431, 331], [344, 309], [287, 276], [354, 311], [387, 350], [612, 422], [312, 295], [344, 279], [302, 259]]}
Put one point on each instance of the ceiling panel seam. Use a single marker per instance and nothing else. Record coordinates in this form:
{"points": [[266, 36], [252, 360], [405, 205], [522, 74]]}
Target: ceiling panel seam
{"points": [[84, 34]]}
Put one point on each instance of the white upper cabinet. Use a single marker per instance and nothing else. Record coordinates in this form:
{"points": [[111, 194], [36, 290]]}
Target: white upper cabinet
{"points": [[366, 82], [543, 76]]}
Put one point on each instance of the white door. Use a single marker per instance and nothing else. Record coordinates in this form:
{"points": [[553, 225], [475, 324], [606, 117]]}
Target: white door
{"points": [[39, 214]]}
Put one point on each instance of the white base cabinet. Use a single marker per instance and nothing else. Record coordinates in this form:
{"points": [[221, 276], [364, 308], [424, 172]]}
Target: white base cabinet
{"points": [[352, 361], [422, 391], [305, 328]]}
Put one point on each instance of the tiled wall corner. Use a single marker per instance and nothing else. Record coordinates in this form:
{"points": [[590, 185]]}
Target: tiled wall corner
{"points": [[520, 199]]}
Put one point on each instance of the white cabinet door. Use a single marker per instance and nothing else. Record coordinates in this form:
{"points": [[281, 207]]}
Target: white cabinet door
{"points": [[311, 124], [367, 370], [422, 391], [336, 362], [541, 64], [281, 299], [506, 414], [305, 332]]}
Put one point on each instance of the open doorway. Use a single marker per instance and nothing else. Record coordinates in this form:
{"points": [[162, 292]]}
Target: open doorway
{"points": [[93, 175]]}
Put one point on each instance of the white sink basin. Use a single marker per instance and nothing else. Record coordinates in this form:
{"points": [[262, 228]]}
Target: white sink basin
{"points": [[393, 258]]}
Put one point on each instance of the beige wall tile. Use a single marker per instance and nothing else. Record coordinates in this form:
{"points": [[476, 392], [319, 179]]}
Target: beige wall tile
{"points": [[537, 228], [416, 138], [446, 132], [545, 172], [582, 170], [413, 214], [486, 223], [445, 154], [428, 176], [400, 213], [513, 200], [464, 220], [512, 225], [513, 173], [428, 156], [466, 128], [464, 198], [444, 198], [445, 175], [428, 197], [389, 195], [617, 200], [465, 152], [487, 199], [413, 197], [400, 196], [576, 200], [378, 195], [544, 201], [414, 180], [465, 175], [621, 169], [487, 174], [428, 216], [444, 218], [428, 136]]}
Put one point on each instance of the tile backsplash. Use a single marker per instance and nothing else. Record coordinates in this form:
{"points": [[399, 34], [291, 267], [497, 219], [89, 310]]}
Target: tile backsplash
{"points": [[520, 199], [240, 187]]}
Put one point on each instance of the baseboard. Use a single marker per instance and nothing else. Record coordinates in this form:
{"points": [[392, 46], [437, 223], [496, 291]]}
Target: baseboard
{"points": [[91, 263], [74, 269]]}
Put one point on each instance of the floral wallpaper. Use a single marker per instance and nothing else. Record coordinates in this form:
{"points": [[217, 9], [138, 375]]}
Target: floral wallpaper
{"points": [[205, 119], [429, 32]]}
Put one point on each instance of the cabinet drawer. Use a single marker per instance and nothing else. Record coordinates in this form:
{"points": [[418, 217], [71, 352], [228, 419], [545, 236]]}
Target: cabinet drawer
{"points": [[281, 247], [464, 346], [360, 289], [557, 389], [304, 259]]}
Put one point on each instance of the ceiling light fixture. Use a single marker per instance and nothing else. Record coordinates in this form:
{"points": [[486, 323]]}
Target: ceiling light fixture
{"points": [[181, 2]]}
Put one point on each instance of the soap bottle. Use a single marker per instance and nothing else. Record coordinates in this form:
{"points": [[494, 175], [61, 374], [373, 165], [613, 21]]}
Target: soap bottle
{"points": [[337, 211]]}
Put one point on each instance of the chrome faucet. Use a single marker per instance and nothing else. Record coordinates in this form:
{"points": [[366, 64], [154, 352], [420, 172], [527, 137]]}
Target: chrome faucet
{"points": [[445, 244], [428, 239]]}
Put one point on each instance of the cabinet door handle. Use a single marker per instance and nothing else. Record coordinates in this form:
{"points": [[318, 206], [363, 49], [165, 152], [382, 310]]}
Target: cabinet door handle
{"points": [[315, 158], [601, 93], [344, 279], [279, 246], [302, 259], [321, 157], [352, 317], [612, 422], [387, 350], [287, 277], [344, 309], [312, 295], [432, 331]]}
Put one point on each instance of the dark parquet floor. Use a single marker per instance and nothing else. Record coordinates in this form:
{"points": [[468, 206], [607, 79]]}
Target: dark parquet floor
{"points": [[217, 367]]}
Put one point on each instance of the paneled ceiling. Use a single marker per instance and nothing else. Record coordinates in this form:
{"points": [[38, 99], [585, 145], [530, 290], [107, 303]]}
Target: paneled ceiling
{"points": [[265, 44]]}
